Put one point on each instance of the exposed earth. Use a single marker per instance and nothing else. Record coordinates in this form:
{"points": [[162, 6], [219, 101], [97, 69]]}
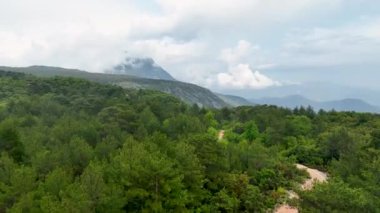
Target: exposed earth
{"points": [[316, 176]]}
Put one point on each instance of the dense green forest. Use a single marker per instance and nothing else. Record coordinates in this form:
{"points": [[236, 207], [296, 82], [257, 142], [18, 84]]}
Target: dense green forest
{"points": [[70, 145]]}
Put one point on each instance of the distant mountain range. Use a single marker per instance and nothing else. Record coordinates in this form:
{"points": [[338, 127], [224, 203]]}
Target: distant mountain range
{"points": [[144, 73], [319, 91], [141, 67], [338, 105]]}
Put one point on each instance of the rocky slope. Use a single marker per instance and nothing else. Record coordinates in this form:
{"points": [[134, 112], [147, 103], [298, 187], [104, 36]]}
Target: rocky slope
{"points": [[189, 93]]}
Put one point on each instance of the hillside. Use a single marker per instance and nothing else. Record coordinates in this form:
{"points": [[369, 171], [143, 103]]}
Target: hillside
{"points": [[189, 93], [73, 145], [234, 100]]}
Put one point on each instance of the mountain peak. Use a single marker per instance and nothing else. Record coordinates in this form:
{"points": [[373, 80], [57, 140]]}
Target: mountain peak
{"points": [[141, 67]]}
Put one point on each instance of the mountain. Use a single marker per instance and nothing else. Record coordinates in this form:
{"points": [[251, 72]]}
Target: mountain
{"points": [[235, 100], [294, 101], [187, 92], [319, 91], [351, 104], [141, 67]]}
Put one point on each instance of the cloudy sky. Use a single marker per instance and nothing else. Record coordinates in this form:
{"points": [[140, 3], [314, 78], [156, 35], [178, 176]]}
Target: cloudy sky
{"points": [[234, 44]]}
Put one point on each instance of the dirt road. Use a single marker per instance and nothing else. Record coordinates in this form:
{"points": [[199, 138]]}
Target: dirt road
{"points": [[316, 176], [285, 208], [221, 135]]}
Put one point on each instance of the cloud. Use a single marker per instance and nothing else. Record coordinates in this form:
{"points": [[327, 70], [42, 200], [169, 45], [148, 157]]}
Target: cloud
{"points": [[167, 50], [87, 33], [243, 77], [239, 74], [90, 51], [237, 54], [186, 37], [357, 43], [212, 14]]}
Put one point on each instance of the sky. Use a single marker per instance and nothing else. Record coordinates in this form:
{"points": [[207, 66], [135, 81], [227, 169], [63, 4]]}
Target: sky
{"points": [[225, 45]]}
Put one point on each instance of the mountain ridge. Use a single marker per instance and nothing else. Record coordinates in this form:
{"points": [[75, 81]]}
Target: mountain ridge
{"points": [[187, 92], [235, 100], [194, 94]]}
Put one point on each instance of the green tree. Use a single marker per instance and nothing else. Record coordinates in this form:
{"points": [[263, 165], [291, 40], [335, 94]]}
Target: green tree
{"points": [[224, 202], [375, 136], [21, 181], [151, 180], [338, 142], [251, 131], [298, 126], [149, 120], [10, 141], [93, 185], [210, 153], [336, 196]]}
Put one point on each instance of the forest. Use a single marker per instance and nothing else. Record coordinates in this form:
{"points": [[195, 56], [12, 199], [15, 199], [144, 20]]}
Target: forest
{"points": [[71, 145]]}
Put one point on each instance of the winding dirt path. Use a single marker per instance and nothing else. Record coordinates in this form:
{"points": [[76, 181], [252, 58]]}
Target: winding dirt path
{"points": [[285, 208], [221, 135], [316, 176]]}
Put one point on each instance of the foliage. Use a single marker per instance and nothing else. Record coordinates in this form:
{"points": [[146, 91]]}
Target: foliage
{"points": [[69, 145]]}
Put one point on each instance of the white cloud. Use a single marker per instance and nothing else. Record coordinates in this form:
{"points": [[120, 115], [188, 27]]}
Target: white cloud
{"points": [[167, 50], [356, 43], [186, 36], [237, 54], [247, 13], [13, 46], [87, 33], [242, 77]]}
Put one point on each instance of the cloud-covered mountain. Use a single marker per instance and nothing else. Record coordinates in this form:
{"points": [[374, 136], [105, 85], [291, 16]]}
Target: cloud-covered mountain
{"points": [[348, 104], [141, 67]]}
